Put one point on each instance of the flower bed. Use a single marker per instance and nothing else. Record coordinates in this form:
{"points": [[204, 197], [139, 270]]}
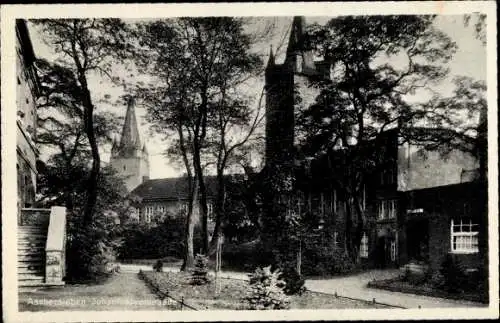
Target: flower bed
{"points": [[232, 292], [398, 285]]}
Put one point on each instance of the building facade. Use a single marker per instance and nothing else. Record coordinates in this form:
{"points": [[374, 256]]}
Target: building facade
{"points": [[27, 92], [158, 198], [129, 156], [416, 206]]}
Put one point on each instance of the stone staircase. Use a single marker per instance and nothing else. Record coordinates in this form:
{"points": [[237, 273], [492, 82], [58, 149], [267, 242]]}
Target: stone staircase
{"points": [[41, 241], [31, 242]]}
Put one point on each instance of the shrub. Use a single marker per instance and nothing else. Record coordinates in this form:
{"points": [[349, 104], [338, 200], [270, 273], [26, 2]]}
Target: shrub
{"points": [[325, 261], [294, 283], [90, 250], [137, 242], [453, 271], [200, 271], [266, 290], [437, 280], [158, 266]]}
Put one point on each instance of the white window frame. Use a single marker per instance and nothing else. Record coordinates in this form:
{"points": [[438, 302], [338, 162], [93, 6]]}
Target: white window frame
{"points": [[363, 247], [470, 239]]}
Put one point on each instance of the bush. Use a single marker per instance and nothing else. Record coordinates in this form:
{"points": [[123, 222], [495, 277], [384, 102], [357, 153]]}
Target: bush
{"points": [[453, 271], [437, 280], [266, 290], [200, 271], [294, 283], [168, 242], [324, 261]]}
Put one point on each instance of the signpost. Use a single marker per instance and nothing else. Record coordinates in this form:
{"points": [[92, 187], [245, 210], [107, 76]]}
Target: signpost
{"points": [[218, 263]]}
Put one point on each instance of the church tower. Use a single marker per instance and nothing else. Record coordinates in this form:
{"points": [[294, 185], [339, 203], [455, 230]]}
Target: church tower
{"points": [[285, 85], [129, 157]]}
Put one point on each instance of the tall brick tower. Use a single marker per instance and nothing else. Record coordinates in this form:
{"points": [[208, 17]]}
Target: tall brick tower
{"points": [[129, 157], [284, 85]]}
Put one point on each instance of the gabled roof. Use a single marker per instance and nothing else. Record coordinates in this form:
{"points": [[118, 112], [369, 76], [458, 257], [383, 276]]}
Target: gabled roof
{"points": [[171, 189]]}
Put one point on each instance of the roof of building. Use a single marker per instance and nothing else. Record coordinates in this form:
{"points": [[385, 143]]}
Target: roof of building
{"points": [[169, 189]]}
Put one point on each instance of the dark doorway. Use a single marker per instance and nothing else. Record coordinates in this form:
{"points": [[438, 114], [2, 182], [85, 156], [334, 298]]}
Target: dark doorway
{"points": [[417, 235], [381, 253]]}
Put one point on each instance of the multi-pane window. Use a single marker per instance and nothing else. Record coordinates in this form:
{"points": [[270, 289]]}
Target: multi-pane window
{"points": [[464, 236], [386, 209], [363, 248], [148, 212]]}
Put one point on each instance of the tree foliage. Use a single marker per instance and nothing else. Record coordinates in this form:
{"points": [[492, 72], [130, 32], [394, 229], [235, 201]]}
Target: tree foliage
{"points": [[197, 64], [378, 62], [85, 46]]}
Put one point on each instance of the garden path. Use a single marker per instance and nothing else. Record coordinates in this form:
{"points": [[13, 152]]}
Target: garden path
{"points": [[355, 286]]}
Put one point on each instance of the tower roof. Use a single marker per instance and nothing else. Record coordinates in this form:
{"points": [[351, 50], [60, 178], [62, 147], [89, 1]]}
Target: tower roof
{"points": [[296, 49], [296, 34], [130, 133], [270, 61]]}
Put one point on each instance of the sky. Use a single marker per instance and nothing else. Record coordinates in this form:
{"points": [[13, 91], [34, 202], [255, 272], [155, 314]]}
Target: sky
{"points": [[470, 60]]}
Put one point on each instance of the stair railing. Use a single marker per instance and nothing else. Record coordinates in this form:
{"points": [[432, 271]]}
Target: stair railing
{"points": [[55, 253]]}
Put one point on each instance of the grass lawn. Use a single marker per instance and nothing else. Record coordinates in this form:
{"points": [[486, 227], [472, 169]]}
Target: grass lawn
{"points": [[398, 285], [233, 291]]}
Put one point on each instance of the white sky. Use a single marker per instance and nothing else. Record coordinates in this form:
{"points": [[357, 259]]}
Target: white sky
{"points": [[470, 60]]}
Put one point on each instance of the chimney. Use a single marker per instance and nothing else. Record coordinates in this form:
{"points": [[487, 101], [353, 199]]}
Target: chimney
{"points": [[145, 178]]}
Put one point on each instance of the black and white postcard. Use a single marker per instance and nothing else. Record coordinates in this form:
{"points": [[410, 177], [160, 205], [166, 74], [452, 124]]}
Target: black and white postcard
{"points": [[249, 161]]}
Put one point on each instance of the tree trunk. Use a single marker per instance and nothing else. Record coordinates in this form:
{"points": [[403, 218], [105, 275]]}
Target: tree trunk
{"points": [[358, 235], [219, 208], [348, 230], [202, 193], [96, 160], [188, 262]]}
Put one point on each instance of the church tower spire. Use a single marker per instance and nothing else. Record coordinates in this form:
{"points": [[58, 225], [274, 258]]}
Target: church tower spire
{"points": [[129, 157], [270, 61], [130, 139], [297, 58]]}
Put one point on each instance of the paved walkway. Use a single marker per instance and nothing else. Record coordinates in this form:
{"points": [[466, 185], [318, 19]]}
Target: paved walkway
{"points": [[123, 291], [353, 286]]}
